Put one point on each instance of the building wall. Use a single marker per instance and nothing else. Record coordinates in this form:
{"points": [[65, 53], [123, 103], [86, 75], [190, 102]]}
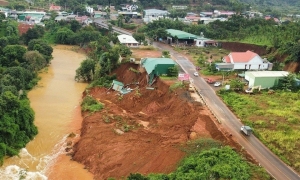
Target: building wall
{"points": [[162, 68], [264, 82], [263, 66]]}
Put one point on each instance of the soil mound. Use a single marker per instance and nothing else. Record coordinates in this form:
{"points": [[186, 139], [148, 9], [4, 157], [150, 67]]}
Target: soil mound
{"points": [[141, 131]]}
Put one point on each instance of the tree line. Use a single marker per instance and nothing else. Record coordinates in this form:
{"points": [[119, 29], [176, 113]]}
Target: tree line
{"points": [[19, 67]]}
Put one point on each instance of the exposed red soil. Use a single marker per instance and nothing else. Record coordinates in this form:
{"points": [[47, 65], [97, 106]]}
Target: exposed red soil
{"points": [[159, 121], [243, 47]]}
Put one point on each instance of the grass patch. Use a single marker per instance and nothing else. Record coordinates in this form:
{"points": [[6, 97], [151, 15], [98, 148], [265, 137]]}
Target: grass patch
{"points": [[90, 104], [274, 118], [176, 85]]}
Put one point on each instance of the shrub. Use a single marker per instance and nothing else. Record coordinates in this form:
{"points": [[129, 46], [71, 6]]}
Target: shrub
{"points": [[90, 104]]}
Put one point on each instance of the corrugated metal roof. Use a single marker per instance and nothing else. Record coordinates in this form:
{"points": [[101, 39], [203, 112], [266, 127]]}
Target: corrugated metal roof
{"points": [[123, 38], [267, 73], [181, 34], [118, 83], [150, 63]]}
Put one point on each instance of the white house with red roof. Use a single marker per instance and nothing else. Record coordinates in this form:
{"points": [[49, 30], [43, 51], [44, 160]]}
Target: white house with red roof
{"points": [[244, 61], [54, 8]]}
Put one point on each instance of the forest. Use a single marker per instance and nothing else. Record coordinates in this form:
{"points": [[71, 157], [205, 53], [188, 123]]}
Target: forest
{"points": [[19, 66]]}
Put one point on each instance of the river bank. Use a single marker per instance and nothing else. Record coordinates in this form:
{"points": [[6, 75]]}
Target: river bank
{"points": [[54, 101]]}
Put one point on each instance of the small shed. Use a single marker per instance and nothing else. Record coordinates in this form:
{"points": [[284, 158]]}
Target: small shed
{"points": [[265, 79], [117, 85], [157, 66]]}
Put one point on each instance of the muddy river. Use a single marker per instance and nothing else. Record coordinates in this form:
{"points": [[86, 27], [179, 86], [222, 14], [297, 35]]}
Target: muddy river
{"points": [[55, 101]]}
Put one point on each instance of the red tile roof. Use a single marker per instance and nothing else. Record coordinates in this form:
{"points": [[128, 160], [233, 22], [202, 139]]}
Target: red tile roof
{"points": [[242, 57], [227, 59]]}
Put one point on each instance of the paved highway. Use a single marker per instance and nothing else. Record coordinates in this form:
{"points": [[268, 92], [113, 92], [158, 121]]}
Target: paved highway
{"points": [[277, 168]]}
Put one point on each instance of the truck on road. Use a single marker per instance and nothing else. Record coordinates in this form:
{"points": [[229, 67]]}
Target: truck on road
{"points": [[246, 130]]}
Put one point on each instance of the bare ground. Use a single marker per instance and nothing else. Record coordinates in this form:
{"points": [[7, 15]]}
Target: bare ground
{"points": [[143, 130]]}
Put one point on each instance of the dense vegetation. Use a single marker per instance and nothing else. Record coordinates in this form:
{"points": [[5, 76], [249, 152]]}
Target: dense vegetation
{"points": [[18, 74]]}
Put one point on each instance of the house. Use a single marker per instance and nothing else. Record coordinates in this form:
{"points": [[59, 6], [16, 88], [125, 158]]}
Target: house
{"points": [[271, 18], [154, 14], [264, 79], [128, 40], [99, 14], [89, 9], [54, 8], [156, 67], [117, 85], [192, 19], [244, 61], [201, 41]]}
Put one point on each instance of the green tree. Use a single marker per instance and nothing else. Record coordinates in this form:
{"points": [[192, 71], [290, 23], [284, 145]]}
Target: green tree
{"points": [[35, 60], [33, 33], [12, 55], [86, 71], [236, 84], [42, 47], [173, 71], [75, 25], [63, 35], [140, 37]]}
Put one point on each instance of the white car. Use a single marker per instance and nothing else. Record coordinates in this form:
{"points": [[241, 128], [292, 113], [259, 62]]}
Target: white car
{"points": [[196, 74], [217, 84]]}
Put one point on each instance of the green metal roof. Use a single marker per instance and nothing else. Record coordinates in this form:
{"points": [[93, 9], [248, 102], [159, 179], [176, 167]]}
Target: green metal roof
{"points": [[118, 83], [181, 34], [150, 63]]}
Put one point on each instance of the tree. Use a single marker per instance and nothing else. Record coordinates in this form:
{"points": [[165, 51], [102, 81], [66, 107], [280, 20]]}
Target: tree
{"points": [[42, 47], [173, 71], [63, 35], [12, 55], [75, 25], [86, 70], [33, 33], [236, 84], [35, 60], [140, 37]]}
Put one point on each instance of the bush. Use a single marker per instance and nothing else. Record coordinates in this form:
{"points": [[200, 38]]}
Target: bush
{"points": [[90, 104]]}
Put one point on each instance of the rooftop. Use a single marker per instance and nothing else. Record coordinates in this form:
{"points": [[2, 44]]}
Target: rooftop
{"points": [[267, 73], [150, 63], [181, 34], [123, 38], [241, 57]]}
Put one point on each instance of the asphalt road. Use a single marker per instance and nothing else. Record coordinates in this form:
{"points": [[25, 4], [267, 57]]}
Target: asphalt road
{"points": [[278, 169]]}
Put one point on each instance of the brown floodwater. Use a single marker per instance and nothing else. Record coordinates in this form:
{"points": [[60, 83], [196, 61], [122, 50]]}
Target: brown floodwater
{"points": [[56, 102]]}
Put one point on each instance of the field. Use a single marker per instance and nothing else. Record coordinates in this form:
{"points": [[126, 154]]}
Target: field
{"points": [[275, 119]]}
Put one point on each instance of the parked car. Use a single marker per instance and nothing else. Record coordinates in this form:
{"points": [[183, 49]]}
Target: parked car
{"points": [[217, 84], [209, 81], [196, 74]]}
